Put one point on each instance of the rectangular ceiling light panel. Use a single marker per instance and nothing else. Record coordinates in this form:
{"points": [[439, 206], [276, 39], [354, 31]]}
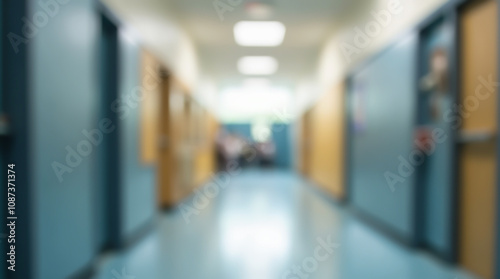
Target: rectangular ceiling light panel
{"points": [[259, 33]]}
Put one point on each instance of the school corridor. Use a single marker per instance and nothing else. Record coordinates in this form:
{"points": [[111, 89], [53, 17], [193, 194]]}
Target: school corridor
{"points": [[270, 224], [249, 139]]}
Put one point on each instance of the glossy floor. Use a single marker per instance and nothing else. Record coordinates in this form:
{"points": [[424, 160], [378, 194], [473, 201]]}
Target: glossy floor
{"points": [[268, 225]]}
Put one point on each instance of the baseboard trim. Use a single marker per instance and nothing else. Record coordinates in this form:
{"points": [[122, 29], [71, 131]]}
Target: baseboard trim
{"points": [[139, 234], [383, 228], [321, 190]]}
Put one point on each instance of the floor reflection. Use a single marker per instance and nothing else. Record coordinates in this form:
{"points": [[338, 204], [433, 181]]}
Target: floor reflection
{"points": [[266, 225]]}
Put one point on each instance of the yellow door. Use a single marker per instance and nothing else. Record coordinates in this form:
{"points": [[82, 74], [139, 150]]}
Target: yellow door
{"points": [[477, 165], [326, 149], [166, 174]]}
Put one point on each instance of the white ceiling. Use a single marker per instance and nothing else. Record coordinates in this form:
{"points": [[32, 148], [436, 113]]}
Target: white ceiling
{"points": [[190, 38], [309, 23]]}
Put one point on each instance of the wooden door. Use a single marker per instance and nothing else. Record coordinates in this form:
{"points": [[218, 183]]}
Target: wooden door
{"points": [[165, 156], [477, 165], [326, 148], [152, 87]]}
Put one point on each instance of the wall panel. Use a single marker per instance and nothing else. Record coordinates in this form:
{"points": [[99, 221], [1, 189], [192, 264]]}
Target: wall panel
{"points": [[64, 102], [138, 180], [383, 117]]}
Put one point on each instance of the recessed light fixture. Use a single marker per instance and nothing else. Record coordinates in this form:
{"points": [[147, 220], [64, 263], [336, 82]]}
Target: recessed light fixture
{"points": [[259, 33], [257, 65]]}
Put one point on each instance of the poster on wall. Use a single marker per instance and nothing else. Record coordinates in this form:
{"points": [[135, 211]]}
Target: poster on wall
{"points": [[435, 84]]}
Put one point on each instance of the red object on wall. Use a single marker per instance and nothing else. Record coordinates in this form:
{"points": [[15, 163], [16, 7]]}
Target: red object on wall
{"points": [[423, 135]]}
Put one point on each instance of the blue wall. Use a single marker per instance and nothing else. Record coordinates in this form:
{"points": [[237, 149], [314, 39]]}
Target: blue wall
{"points": [[244, 130], [282, 137], [64, 102], [139, 184], [386, 90], [281, 134]]}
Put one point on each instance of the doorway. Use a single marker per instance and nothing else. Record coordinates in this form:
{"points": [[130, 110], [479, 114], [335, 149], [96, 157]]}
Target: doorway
{"points": [[107, 194]]}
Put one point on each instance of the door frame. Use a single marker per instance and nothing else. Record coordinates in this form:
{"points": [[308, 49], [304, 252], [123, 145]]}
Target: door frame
{"points": [[16, 139], [108, 93], [109, 160]]}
